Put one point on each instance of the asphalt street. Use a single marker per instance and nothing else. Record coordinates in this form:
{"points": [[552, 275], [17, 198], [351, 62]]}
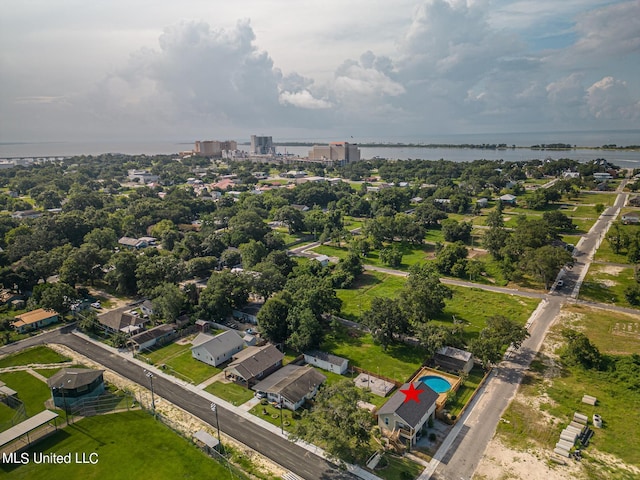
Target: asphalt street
{"points": [[303, 463]]}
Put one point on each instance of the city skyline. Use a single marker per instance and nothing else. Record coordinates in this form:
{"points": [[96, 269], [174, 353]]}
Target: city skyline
{"points": [[305, 70]]}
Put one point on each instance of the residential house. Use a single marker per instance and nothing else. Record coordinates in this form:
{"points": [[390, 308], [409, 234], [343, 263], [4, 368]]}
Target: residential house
{"points": [[408, 419], [214, 350], [147, 308], [291, 386], [22, 214], [121, 320], [453, 359], [252, 364], [634, 201], [34, 320], [248, 313], [70, 385], [482, 202], [134, 243], [323, 259], [8, 296], [630, 218], [508, 199], [154, 336], [600, 176], [327, 361]]}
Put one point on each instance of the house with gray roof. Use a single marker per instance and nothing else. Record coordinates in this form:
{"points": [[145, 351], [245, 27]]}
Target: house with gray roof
{"points": [[291, 386], [214, 350], [327, 361], [408, 419], [253, 364], [154, 336], [453, 359], [121, 320], [70, 385]]}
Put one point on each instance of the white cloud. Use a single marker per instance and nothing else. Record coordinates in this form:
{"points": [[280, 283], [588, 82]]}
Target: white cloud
{"points": [[303, 99], [610, 99]]}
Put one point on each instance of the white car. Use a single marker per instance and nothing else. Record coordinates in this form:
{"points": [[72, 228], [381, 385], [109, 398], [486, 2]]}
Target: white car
{"points": [[96, 305], [260, 395]]}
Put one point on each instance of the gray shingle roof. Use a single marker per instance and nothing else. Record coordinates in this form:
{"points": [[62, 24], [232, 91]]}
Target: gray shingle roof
{"points": [[327, 357], [411, 412], [252, 361], [292, 382], [219, 344], [73, 378]]}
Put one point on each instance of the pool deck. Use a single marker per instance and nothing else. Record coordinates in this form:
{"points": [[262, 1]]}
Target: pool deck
{"points": [[454, 380]]}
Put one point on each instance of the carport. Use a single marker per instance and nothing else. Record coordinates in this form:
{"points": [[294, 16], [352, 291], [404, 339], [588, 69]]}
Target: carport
{"points": [[17, 432]]}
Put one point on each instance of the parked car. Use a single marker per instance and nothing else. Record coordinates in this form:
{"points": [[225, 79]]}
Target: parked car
{"points": [[96, 305], [559, 284], [260, 395]]}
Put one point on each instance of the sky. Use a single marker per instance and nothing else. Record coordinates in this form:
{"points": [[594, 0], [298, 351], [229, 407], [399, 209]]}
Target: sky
{"points": [[118, 70]]}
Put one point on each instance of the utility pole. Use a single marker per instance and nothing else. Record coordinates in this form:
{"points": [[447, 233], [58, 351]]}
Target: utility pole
{"points": [[214, 409], [153, 399]]}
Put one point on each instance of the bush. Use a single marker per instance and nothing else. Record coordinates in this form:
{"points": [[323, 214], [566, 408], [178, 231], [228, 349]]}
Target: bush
{"points": [[432, 437]]}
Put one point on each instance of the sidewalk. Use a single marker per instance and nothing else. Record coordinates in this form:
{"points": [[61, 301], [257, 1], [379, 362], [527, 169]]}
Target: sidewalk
{"points": [[226, 405]]}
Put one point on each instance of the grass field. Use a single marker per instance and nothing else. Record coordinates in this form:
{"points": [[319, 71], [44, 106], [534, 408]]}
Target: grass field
{"points": [[31, 391], [605, 253], [606, 284], [472, 306], [6, 414], [152, 451], [398, 361], [607, 198], [464, 392], [399, 468], [181, 363], [411, 254], [273, 415], [33, 355], [230, 392]]}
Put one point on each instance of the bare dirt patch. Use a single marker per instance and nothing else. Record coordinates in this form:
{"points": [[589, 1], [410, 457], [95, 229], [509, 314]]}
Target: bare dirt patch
{"points": [[610, 270]]}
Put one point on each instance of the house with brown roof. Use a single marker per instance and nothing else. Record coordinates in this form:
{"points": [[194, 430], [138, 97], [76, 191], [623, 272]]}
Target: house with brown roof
{"points": [[34, 319], [407, 419], [154, 336], [291, 386], [121, 320], [252, 364]]}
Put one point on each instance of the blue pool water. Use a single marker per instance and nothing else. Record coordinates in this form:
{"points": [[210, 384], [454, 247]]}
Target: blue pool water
{"points": [[437, 384]]}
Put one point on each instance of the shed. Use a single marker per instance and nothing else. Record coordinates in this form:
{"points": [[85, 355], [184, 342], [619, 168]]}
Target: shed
{"points": [[327, 361], [70, 385], [453, 359]]}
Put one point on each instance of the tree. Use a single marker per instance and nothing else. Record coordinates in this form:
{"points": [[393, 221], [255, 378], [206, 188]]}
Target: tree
{"points": [[499, 332], [423, 295], [385, 319], [580, 351], [291, 217], [58, 297], [168, 302], [269, 281], [88, 321], [391, 256], [272, 318], [433, 337], [122, 275], [617, 238], [454, 230], [225, 291], [558, 220], [230, 257], [545, 262], [252, 253], [102, 238], [450, 256], [336, 418], [305, 329]]}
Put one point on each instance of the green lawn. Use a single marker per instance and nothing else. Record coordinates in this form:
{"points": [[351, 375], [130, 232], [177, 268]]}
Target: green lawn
{"points": [[398, 361], [582, 225], [606, 284], [151, 450], [50, 372], [399, 468], [189, 368], [273, 415], [31, 391], [472, 306], [605, 253], [166, 353], [411, 254], [607, 198], [6, 414], [230, 392], [464, 392], [38, 354]]}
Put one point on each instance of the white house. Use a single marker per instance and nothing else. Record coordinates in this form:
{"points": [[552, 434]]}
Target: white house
{"points": [[482, 202], [323, 259], [408, 418], [214, 350], [327, 361], [630, 218], [508, 198], [291, 385]]}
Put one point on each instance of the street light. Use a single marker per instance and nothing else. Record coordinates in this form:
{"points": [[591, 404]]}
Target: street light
{"points": [[153, 399], [64, 402], [214, 409]]}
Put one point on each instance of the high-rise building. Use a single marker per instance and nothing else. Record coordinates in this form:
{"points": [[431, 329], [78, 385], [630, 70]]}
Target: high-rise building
{"points": [[261, 145], [214, 148], [339, 152]]}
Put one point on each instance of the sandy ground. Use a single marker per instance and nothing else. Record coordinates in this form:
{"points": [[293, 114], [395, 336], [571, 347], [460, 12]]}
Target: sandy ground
{"points": [[176, 417]]}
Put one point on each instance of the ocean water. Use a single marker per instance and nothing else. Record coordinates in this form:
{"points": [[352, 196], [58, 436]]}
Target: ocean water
{"points": [[623, 158]]}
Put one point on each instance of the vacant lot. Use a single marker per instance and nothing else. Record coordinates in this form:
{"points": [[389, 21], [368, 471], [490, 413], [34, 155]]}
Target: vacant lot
{"points": [[152, 450], [411, 254], [606, 284], [178, 361], [230, 392]]}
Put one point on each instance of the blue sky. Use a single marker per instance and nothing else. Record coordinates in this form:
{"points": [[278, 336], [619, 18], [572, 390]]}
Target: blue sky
{"points": [[164, 70]]}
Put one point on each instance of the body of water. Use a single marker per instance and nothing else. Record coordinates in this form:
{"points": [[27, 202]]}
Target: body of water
{"points": [[623, 158]]}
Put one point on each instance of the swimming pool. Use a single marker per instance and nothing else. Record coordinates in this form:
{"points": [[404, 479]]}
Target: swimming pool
{"points": [[437, 384]]}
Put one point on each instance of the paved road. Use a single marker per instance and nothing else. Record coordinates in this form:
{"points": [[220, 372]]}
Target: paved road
{"points": [[289, 455]]}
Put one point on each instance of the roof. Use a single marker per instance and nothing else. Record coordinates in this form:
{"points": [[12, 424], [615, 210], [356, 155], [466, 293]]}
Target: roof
{"points": [[327, 357], [411, 412], [147, 304], [291, 382], [128, 241], [72, 378], [117, 319], [206, 438], [34, 316], [251, 308], [254, 360], [155, 332], [223, 342], [29, 424], [321, 258], [456, 353], [508, 197]]}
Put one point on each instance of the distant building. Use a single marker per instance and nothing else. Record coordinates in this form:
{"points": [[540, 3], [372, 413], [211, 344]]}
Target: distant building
{"points": [[338, 153], [508, 199], [34, 319], [599, 176], [483, 202], [142, 176], [261, 145], [22, 214], [214, 148]]}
